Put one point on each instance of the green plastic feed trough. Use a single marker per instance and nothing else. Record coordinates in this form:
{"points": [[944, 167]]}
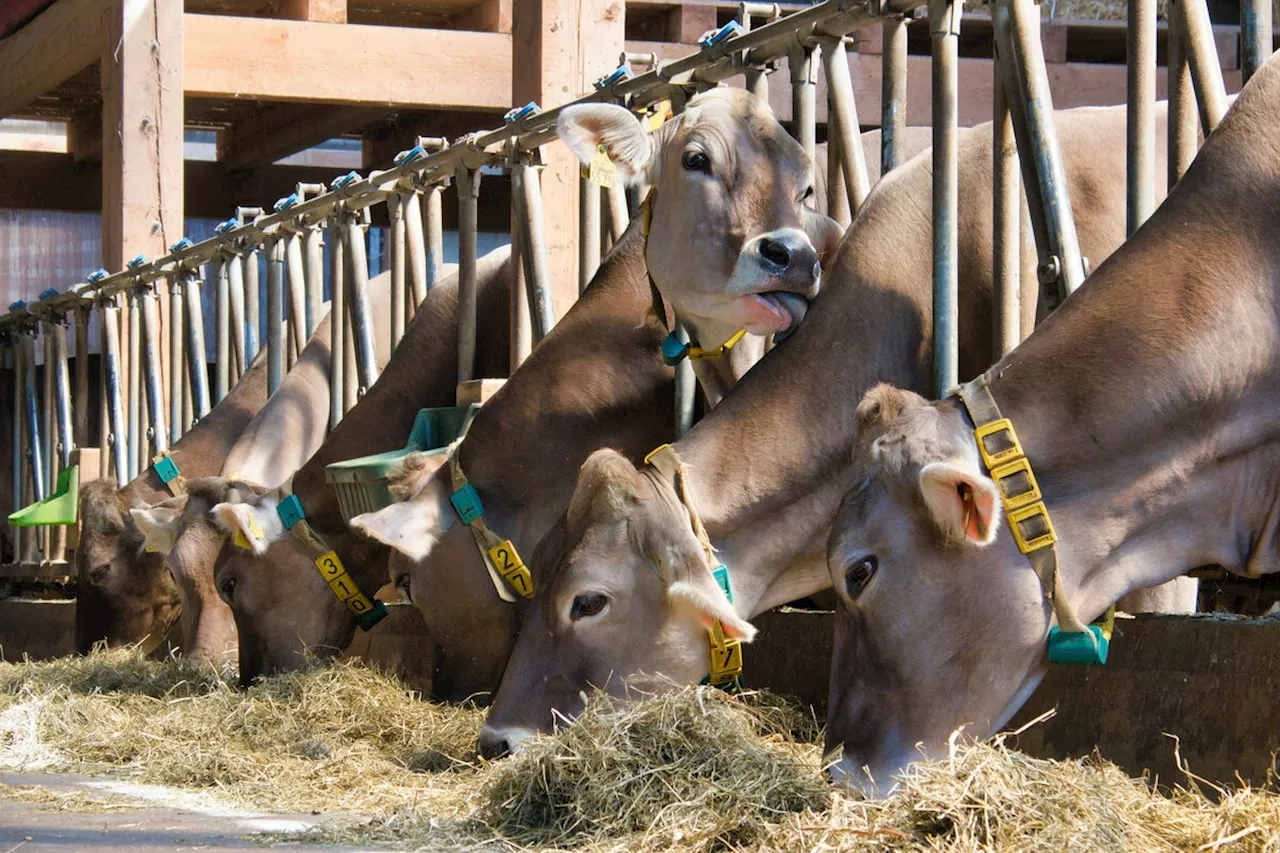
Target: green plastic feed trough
{"points": [[61, 507], [361, 484]]}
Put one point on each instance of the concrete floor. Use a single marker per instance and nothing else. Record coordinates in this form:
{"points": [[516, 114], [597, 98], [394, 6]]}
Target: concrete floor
{"points": [[172, 820]]}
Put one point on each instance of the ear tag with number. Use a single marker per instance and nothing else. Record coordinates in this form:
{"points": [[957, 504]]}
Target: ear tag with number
{"points": [[254, 529], [508, 563], [602, 172], [242, 542]]}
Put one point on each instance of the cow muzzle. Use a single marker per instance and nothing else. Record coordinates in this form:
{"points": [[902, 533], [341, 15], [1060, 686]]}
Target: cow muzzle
{"points": [[775, 276], [501, 741]]}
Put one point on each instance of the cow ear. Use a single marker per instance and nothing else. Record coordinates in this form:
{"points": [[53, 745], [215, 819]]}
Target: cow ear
{"points": [[251, 527], [825, 234], [159, 526], [592, 129], [693, 588], [964, 503], [411, 527]]}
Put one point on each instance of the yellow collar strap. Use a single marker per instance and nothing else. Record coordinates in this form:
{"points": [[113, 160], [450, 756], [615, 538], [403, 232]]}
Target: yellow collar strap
{"points": [[500, 556], [726, 652], [367, 612], [1070, 641]]}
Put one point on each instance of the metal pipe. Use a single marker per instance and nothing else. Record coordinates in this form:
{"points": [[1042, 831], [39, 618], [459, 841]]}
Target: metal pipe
{"points": [[313, 254], [81, 407], [17, 457], [537, 266], [176, 365], [944, 25], [337, 323], [589, 224], [1182, 112], [433, 212], [358, 302], [619, 216], [62, 394], [417, 248], [48, 416], [1202, 53], [804, 93], [235, 270], [275, 309], [521, 325], [31, 408], [133, 386], [222, 333], [1140, 150], [837, 194], [1016, 24], [296, 276], [115, 402], [253, 305], [893, 94], [686, 388], [395, 212], [1006, 221], [468, 184], [197, 355], [757, 80], [149, 302], [1255, 36], [844, 120]]}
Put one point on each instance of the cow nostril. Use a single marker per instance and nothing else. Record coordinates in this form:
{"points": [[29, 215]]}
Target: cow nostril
{"points": [[493, 744], [775, 252]]}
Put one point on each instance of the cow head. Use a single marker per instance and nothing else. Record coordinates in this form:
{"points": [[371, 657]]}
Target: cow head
{"points": [[126, 594], [624, 607], [435, 564], [732, 243], [183, 530], [942, 622]]}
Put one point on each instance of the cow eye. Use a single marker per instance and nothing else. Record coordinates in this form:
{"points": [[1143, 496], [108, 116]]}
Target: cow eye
{"points": [[696, 161], [99, 573], [808, 194], [588, 604], [226, 589], [859, 574]]}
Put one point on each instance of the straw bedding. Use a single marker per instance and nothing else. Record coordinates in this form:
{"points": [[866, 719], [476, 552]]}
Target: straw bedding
{"points": [[691, 770]]}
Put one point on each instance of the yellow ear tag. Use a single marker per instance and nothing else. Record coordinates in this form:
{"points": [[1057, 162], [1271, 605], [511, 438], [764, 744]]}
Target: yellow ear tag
{"points": [[241, 542], [150, 549], [255, 530], [602, 172]]}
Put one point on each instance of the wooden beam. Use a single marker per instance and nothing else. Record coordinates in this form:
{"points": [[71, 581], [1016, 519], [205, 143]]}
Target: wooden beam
{"points": [[384, 142], [84, 137], [287, 129], [561, 47], [272, 60], [320, 11], [62, 41], [687, 22], [490, 16]]}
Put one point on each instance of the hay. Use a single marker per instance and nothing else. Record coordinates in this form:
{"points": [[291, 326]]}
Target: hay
{"points": [[693, 770], [61, 800]]}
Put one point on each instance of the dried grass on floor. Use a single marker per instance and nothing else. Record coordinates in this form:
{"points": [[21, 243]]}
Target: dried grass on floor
{"points": [[64, 800]]}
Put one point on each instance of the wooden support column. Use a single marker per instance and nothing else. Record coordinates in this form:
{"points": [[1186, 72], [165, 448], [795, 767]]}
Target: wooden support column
{"points": [[686, 23], [321, 11], [560, 48]]}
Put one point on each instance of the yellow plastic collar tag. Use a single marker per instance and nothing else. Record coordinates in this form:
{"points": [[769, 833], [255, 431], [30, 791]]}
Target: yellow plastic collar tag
{"points": [[335, 575], [602, 172], [513, 570], [726, 657]]}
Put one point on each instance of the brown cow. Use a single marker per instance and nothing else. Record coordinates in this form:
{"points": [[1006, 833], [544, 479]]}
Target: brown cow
{"points": [[768, 466], [1148, 409]]}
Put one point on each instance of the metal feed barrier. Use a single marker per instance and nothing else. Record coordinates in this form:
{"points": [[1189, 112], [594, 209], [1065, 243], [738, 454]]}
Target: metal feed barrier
{"points": [[141, 413]]}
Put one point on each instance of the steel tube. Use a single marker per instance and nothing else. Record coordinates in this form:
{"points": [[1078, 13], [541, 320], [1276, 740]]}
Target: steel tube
{"points": [[62, 394], [1255, 36], [296, 277], [1006, 220], [197, 355], [133, 384], [395, 212], [433, 214], [235, 282], [313, 254], [844, 119], [81, 407], [686, 388], [416, 238], [837, 194], [115, 402], [31, 408], [337, 323], [149, 303], [944, 23], [1140, 151], [222, 334], [276, 343], [1202, 54], [521, 325], [16, 456], [893, 94], [358, 304], [804, 94], [589, 223], [757, 81], [48, 416], [1182, 110], [619, 216], [252, 305], [176, 365], [468, 183], [538, 268]]}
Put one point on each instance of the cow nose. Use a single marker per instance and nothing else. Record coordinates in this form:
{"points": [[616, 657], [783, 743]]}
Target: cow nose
{"points": [[493, 743], [775, 252]]}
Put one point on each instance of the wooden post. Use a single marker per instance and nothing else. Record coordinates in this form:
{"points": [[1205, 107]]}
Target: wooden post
{"points": [[559, 49]]}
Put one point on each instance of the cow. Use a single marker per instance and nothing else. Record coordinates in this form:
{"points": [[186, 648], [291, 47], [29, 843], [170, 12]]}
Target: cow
{"points": [[283, 608], [1147, 409], [629, 591]]}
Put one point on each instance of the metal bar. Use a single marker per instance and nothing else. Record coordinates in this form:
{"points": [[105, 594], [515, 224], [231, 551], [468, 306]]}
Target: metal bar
{"points": [[313, 245], [589, 240], [337, 323], [619, 216], [804, 93], [252, 305], [17, 457], [62, 394], [1006, 247], [81, 407], [1202, 53], [395, 212], [757, 80], [296, 276], [275, 309], [844, 119], [416, 237], [893, 93], [48, 416], [149, 302], [944, 24], [537, 267], [433, 213], [837, 194], [235, 276], [115, 403], [468, 184], [1255, 36], [358, 302], [133, 384], [222, 333], [177, 364], [520, 324], [686, 388], [1140, 151], [197, 355], [31, 408]]}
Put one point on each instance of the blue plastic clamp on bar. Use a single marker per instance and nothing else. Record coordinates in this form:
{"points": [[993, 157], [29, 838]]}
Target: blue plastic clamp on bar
{"points": [[48, 294], [287, 202], [343, 180], [97, 275], [137, 261], [721, 574], [166, 469], [519, 113], [673, 349], [467, 502], [622, 73], [733, 28], [17, 306], [184, 243], [290, 511], [224, 227], [412, 154]]}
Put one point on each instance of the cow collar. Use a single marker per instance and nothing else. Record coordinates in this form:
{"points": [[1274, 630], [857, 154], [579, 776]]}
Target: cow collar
{"points": [[675, 350], [368, 612], [167, 470], [499, 555], [1070, 641], [726, 652]]}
